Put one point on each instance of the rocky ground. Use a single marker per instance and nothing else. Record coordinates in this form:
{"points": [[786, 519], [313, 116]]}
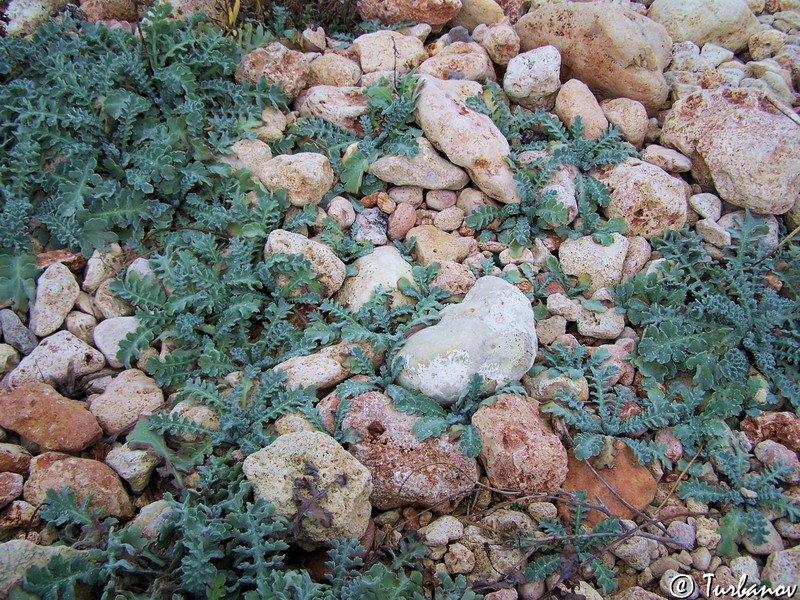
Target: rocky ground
{"points": [[704, 92]]}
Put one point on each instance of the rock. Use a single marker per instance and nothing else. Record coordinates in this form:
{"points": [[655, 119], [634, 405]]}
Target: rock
{"points": [[432, 473], [198, 413], [605, 325], [770, 237], [56, 293], [153, 517], [401, 221], [603, 264], [302, 463], [333, 69], [766, 43], [772, 542], [109, 305], [9, 358], [440, 199], [627, 477], [83, 477], [129, 395], [248, 154], [38, 412], [101, 266], [727, 23], [372, 226], [14, 459], [376, 51], [635, 551], [782, 427], [469, 139], [81, 325], [408, 194], [476, 12], [442, 531], [486, 541], [713, 233], [328, 268], [134, 466], [630, 116], [615, 51], [708, 206], [382, 268], [532, 78], [711, 128], [323, 369], [648, 199], [574, 99], [433, 12], [341, 210], [459, 559], [492, 333], [468, 59], [434, 244], [10, 488], [57, 359], [15, 333], [667, 159], [17, 556], [17, 515], [426, 170], [278, 65], [273, 124], [341, 106], [771, 453], [306, 176], [518, 449], [783, 568], [453, 277], [109, 333], [501, 43], [449, 219]]}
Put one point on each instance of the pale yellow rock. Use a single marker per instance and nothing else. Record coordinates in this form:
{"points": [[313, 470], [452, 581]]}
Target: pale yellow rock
{"points": [[475, 12], [330, 270], [576, 99], [435, 244], [425, 170], [382, 268], [377, 51], [129, 395], [306, 176]]}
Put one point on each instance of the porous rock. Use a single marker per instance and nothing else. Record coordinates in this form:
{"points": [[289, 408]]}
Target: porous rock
{"points": [[278, 65], [328, 268], [57, 359], [532, 78], [426, 170], [341, 106], [433, 12], [491, 333], [319, 460], [56, 293], [603, 264], [382, 268], [388, 51], [17, 556], [41, 414], [129, 395], [435, 244], [109, 333], [306, 176]]}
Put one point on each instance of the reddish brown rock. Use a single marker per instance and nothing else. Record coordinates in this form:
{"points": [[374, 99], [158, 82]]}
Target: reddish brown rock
{"points": [[74, 261], [277, 64], [781, 427], [433, 12], [14, 459], [10, 488], [18, 514], [118, 10], [405, 471], [41, 414], [84, 477], [632, 481], [712, 128], [518, 449], [620, 351]]}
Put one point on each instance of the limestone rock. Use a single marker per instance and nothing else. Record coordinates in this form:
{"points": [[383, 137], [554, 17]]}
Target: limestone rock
{"points": [[618, 53], [469, 139], [277, 64], [334, 69], [84, 477], [435, 244], [426, 170], [727, 23], [492, 333], [129, 395], [306, 176], [648, 199], [341, 106], [518, 449], [382, 268], [576, 99], [401, 221], [81, 325], [405, 471], [433, 12], [9, 358], [102, 265], [376, 51], [501, 43], [108, 304], [14, 459], [467, 58], [329, 269], [533, 77], [454, 277], [323, 369], [783, 568], [134, 466], [603, 264], [57, 359], [630, 116], [17, 556], [712, 127], [10, 488], [56, 293], [318, 459], [44, 416], [476, 12], [109, 333]]}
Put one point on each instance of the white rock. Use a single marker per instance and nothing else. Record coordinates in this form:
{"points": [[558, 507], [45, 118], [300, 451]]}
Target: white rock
{"points": [[23, 16], [341, 210], [635, 551], [603, 264], [377, 51], [341, 106], [713, 233], [559, 304], [425, 170], [330, 270], [783, 568], [57, 359], [56, 293], [442, 531], [109, 333], [323, 369], [491, 333], [108, 304], [275, 469], [129, 395], [606, 325], [81, 325], [728, 23], [706, 205], [333, 69], [382, 268], [532, 78], [134, 466], [101, 266], [501, 43], [469, 139], [468, 59], [306, 176]]}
